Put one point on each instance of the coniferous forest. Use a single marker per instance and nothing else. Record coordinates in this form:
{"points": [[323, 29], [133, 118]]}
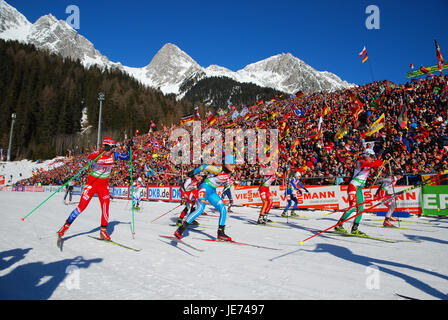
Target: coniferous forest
{"points": [[48, 94]]}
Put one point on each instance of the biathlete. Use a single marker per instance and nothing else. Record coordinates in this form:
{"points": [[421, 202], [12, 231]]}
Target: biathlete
{"points": [[385, 189], [98, 183], [266, 197], [137, 198], [189, 194], [355, 194], [293, 183], [216, 177], [69, 192]]}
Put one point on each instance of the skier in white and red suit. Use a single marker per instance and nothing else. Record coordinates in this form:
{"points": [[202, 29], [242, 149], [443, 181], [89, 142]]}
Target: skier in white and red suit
{"points": [[189, 194]]}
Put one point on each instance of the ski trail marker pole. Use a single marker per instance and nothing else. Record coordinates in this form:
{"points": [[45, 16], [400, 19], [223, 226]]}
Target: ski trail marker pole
{"points": [[132, 194], [23, 219]]}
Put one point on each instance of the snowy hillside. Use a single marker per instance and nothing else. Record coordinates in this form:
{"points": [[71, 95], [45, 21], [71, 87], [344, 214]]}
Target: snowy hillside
{"points": [[170, 67], [326, 267], [17, 170]]}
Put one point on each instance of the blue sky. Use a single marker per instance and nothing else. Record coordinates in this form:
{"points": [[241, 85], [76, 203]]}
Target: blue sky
{"points": [[326, 34]]}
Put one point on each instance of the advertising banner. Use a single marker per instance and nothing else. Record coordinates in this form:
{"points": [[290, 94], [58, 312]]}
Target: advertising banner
{"points": [[159, 193], [324, 197], [434, 200]]}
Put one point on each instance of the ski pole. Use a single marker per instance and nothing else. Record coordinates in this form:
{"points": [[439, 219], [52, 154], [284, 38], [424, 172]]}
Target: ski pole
{"points": [[23, 219], [379, 172], [386, 198], [165, 214], [393, 190]]}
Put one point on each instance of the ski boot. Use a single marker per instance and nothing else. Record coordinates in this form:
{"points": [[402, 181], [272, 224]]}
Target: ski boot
{"points": [[266, 219], [261, 220], [103, 234], [179, 222], [387, 223], [64, 228], [221, 235], [284, 214], [294, 214], [357, 232], [340, 228], [180, 230]]}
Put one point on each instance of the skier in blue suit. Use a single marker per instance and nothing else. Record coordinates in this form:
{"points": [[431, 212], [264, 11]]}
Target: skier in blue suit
{"points": [[293, 184], [217, 176]]}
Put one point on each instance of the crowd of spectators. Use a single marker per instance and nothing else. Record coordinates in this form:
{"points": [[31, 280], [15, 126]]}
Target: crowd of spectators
{"points": [[414, 135]]}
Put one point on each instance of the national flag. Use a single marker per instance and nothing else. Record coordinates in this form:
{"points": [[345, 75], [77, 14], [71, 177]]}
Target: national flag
{"points": [[317, 135], [211, 119], [295, 145], [259, 103], [403, 118], [196, 108], [325, 110], [244, 112], [411, 66], [424, 70], [438, 53], [186, 121], [342, 132], [363, 55], [230, 125], [358, 106], [299, 94], [377, 125]]}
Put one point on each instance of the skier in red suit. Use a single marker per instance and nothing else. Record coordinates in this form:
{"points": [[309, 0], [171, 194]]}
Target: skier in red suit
{"points": [[98, 183]]}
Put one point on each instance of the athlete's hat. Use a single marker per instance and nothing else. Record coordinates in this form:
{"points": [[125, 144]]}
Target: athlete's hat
{"points": [[108, 141]]}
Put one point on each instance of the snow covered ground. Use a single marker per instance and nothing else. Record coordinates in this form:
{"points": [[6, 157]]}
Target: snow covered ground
{"points": [[326, 267]]}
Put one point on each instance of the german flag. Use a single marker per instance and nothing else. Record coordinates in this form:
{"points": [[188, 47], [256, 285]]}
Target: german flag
{"points": [[186, 121], [211, 119], [230, 125], [300, 94]]}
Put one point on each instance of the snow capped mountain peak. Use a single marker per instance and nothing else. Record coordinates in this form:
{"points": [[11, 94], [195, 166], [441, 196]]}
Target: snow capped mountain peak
{"points": [[289, 74], [171, 70], [13, 24]]}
